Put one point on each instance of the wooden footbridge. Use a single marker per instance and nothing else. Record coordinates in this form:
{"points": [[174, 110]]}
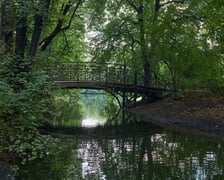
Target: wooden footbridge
{"points": [[118, 79]]}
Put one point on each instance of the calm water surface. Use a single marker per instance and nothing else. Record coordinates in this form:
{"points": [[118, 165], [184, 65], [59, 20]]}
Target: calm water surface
{"points": [[132, 151]]}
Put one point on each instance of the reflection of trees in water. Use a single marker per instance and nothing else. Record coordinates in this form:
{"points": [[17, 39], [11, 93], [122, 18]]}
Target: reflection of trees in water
{"points": [[119, 156], [99, 104], [153, 155], [68, 108], [72, 106], [136, 151], [110, 108], [122, 118]]}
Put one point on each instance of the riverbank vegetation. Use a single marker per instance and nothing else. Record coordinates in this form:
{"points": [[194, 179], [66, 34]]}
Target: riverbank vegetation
{"points": [[176, 44]]}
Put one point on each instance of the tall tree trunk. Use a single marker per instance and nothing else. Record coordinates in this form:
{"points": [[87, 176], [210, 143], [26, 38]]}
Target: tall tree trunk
{"points": [[143, 46], [7, 16], [1, 43], [19, 63], [157, 8], [38, 26], [0, 22], [21, 30]]}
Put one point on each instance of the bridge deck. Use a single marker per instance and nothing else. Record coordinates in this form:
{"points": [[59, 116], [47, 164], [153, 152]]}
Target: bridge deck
{"points": [[105, 85]]}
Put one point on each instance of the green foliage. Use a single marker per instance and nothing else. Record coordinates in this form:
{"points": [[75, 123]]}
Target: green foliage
{"points": [[25, 105], [27, 99], [69, 44], [184, 41], [28, 144]]}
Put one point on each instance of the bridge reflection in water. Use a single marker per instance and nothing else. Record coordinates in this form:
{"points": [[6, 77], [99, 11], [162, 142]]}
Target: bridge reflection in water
{"points": [[118, 79]]}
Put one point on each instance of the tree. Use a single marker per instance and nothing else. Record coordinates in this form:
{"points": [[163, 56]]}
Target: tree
{"points": [[26, 98], [186, 48], [29, 23], [153, 35], [130, 25]]}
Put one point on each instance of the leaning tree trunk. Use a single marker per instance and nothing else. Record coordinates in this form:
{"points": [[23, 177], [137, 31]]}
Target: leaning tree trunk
{"points": [[60, 23], [38, 26]]}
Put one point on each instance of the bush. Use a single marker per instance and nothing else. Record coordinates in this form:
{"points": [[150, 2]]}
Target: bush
{"points": [[26, 103]]}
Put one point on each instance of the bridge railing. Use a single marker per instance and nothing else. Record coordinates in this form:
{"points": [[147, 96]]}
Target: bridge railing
{"points": [[98, 72]]}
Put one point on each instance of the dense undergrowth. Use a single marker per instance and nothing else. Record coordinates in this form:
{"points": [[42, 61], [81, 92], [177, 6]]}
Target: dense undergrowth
{"points": [[26, 103]]}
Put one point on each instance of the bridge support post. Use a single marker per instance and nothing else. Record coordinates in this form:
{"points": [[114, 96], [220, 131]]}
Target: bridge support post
{"points": [[124, 74], [135, 93], [124, 99]]}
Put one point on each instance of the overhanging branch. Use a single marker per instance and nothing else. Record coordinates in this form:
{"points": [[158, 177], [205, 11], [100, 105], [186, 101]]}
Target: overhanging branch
{"points": [[72, 16], [131, 3], [46, 41]]}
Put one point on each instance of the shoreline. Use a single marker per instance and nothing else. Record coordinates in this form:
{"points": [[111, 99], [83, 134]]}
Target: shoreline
{"points": [[198, 115], [185, 126]]}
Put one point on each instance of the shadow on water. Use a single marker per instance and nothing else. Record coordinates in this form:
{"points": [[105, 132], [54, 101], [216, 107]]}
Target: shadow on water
{"points": [[111, 128]]}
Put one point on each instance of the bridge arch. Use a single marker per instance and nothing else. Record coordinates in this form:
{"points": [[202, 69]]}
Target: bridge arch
{"points": [[73, 85], [117, 79]]}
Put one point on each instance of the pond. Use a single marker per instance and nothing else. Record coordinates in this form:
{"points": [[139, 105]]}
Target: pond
{"points": [[126, 148]]}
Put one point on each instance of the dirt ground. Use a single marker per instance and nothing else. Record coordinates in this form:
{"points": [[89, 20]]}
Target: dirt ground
{"points": [[194, 113]]}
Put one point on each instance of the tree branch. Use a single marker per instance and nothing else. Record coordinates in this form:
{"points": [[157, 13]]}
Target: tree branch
{"points": [[131, 3], [46, 41], [72, 16], [131, 20], [66, 41]]}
